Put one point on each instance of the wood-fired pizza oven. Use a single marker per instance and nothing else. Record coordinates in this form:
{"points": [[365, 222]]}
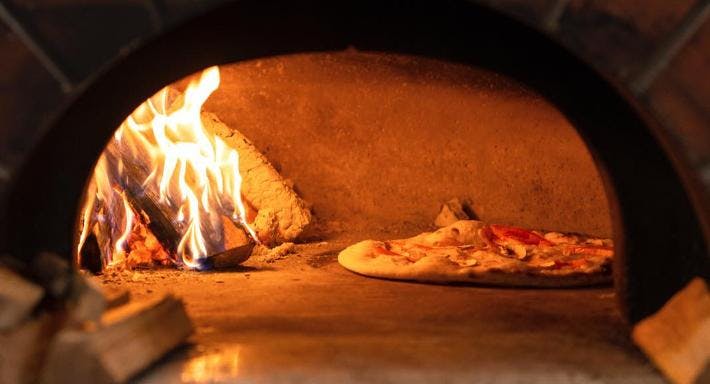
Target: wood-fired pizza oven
{"points": [[379, 112]]}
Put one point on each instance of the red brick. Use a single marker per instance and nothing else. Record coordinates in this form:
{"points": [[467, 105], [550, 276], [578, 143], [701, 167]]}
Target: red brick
{"points": [[619, 36]]}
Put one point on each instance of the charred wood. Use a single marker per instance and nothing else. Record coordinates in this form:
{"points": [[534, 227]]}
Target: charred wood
{"points": [[146, 200], [224, 240], [281, 214]]}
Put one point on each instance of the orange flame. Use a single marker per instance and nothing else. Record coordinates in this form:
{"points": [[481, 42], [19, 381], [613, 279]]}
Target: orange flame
{"points": [[192, 171]]}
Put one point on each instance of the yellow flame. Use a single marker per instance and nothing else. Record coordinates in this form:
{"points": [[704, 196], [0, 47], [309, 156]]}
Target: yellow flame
{"points": [[193, 171], [127, 226]]}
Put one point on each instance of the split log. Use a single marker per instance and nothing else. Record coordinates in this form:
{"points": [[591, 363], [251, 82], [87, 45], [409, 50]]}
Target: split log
{"points": [[22, 349], [86, 300], [282, 214], [231, 258], [238, 248], [126, 341], [53, 273], [162, 218], [227, 245], [18, 297], [677, 337]]}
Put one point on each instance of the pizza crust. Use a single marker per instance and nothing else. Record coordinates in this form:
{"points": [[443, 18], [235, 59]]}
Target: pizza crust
{"points": [[437, 266]]}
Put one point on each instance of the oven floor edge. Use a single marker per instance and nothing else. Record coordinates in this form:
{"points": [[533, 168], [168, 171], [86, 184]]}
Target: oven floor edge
{"points": [[304, 318]]}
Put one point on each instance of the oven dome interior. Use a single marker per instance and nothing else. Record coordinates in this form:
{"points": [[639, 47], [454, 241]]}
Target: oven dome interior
{"points": [[376, 142]]}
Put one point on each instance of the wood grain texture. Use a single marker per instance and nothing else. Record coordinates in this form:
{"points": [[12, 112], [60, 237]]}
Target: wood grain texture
{"points": [[127, 340], [677, 338], [18, 297]]}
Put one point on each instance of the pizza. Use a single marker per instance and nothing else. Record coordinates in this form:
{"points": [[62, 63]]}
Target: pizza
{"points": [[471, 251]]}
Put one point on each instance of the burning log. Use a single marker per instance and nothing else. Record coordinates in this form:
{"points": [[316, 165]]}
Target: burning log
{"points": [[157, 230], [238, 247], [173, 182], [160, 219], [282, 214], [126, 341], [18, 297]]}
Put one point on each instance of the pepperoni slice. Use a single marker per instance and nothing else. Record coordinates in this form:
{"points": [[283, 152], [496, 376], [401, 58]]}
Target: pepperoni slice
{"points": [[518, 234]]}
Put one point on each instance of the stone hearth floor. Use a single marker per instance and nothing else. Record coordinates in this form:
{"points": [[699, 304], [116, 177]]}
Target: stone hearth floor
{"points": [[306, 319]]}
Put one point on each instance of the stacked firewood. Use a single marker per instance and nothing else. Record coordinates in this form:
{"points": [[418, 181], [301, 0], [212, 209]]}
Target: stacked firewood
{"points": [[59, 326]]}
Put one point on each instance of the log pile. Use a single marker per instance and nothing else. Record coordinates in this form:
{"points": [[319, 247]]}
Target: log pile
{"points": [[63, 327], [274, 210]]}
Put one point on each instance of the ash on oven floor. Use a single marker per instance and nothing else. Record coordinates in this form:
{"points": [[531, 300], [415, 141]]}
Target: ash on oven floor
{"points": [[303, 318]]}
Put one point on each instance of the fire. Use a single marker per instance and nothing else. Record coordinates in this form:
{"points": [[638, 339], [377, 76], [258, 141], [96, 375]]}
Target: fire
{"points": [[194, 175]]}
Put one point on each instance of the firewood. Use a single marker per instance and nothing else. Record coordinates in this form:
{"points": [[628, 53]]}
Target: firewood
{"points": [[22, 349], [238, 248], [451, 212], [18, 297], [86, 301], [224, 240], [126, 341], [53, 273], [231, 258], [677, 337], [116, 297], [162, 219], [282, 214]]}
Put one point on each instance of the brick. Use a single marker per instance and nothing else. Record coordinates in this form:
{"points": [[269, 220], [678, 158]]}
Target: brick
{"points": [[618, 36], [679, 97], [28, 95], [83, 35]]}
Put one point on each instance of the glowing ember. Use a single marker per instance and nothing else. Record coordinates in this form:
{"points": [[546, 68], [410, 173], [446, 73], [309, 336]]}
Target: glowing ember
{"points": [[194, 175]]}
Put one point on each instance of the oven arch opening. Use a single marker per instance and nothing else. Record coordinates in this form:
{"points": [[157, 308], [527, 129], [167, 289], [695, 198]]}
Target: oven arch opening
{"points": [[651, 212]]}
